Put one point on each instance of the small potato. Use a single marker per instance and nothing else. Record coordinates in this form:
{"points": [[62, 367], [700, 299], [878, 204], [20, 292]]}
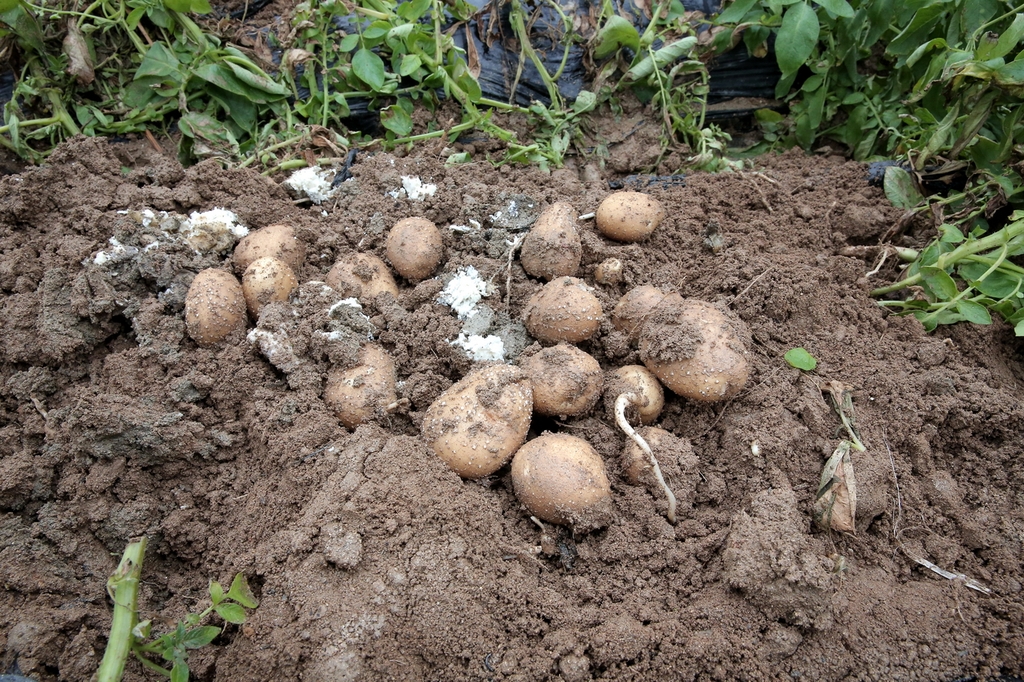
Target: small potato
{"points": [[566, 381], [363, 392], [561, 479], [278, 241], [635, 463], [214, 306], [635, 379], [608, 272], [478, 423], [552, 247], [414, 248], [267, 279], [634, 307], [563, 310], [362, 276], [629, 216], [695, 349]]}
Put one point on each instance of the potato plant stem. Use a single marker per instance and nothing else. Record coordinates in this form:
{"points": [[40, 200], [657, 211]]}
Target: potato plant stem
{"points": [[621, 403], [123, 586]]}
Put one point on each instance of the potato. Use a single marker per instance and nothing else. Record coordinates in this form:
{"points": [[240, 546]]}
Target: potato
{"points": [[608, 272], [566, 381], [552, 247], [629, 216], [414, 248], [561, 479], [214, 306], [478, 423], [361, 393], [634, 307], [563, 310], [267, 279], [278, 241], [635, 379], [362, 276], [695, 349]]}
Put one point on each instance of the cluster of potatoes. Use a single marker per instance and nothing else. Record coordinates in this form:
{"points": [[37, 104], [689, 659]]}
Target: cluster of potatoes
{"points": [[480, 423]]}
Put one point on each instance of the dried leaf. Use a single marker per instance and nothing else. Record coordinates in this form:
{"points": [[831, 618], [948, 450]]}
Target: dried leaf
{"points": [[79, 60], [835, 505], [472, 55]]}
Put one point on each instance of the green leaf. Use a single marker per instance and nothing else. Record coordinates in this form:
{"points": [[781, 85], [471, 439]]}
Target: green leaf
{"points": [[950, 234], [7, 5], [369, 68], [414, 9], [349, 42], [179, 673], [616, 33], [797, 37], [409, 64], [259, 80], [801, 359], [998, 284], [159, 61], [735, 12], [939, 282], [232, 613], [660, 58], [216, 592], [585, 101], [178, 5], [899, 188], [1018, 330], [974, 312], [200, 637], [838, 8], [1009, 39], [241, 593]]}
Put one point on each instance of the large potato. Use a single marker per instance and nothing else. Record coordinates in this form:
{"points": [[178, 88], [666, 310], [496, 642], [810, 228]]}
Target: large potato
{"points": [[361, 393], [214, 306], [695, 349], [561, 479], [563, 310], [566, 381], [362, 276], [552, 247], [278, 241], [478, 423], [266, 280], [629, 216], [414, 248]]}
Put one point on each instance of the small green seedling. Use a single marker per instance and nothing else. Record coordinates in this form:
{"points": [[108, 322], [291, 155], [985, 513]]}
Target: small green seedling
{"points": [[801, 359], [127, 633]]}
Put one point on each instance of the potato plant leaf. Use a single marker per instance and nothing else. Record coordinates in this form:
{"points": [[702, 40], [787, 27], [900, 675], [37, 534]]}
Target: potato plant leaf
{"points": [[369, 68], [617, 32], [797, 37], [801, 359], [240, 592], [899, 188], [939, 282]]}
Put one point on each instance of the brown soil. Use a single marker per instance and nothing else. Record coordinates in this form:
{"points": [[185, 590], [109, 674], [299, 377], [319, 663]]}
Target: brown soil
{"points": [[373, 561]]}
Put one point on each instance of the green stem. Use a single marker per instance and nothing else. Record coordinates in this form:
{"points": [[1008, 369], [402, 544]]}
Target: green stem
{"points": [[962, 252], [519, 28], [123, 587], [59, 112], [155, 667]]}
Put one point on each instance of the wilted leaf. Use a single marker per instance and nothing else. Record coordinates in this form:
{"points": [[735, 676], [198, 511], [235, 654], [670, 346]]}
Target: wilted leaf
{"points": [[835, 506], [79, 59], [241, 593], [899, 188]]}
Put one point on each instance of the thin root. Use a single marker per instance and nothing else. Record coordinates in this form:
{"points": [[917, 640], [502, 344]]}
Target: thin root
{"points": [[508, 267], [621, 403]]}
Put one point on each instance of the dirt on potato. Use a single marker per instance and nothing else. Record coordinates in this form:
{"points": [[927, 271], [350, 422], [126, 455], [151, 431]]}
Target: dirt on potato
{"points": [[373, 561]]}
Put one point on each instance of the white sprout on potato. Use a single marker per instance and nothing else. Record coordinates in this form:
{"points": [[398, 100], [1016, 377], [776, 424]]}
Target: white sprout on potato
{"points": [[621, 403]]}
